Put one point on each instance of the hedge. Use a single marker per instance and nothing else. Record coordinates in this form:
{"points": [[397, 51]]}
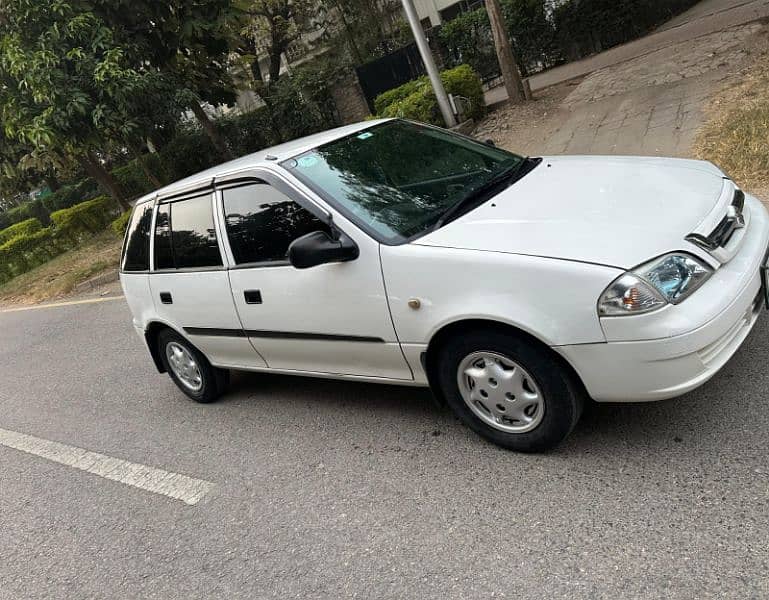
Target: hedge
{"points": [[416, 99], [84, 219], [30, 210], [33, 245], [542, 38], [72, 194], [27, 227], [587, 26], [120, 224]]}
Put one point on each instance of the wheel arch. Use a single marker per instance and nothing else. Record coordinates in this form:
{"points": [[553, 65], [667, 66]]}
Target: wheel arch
{"points": [[151, 333], [457, 328]]}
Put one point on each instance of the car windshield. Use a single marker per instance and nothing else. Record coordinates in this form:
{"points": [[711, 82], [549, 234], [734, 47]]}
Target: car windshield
{"points": [[397, 179]]}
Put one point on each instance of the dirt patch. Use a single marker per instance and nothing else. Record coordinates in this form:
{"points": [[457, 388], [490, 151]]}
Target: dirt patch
{"points": [[736, 134], [525, 128], [57, 279]]}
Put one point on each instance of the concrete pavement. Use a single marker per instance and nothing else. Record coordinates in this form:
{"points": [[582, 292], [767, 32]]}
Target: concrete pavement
{"points": [[326, 489]]}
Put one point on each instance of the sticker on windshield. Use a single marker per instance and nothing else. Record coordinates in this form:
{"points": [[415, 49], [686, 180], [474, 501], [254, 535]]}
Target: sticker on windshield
{"points": [[307, 161], [366, 135]]}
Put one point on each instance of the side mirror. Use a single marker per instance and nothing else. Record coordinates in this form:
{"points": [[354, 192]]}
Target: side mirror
{"points": [[317, 248], [490, 142]]}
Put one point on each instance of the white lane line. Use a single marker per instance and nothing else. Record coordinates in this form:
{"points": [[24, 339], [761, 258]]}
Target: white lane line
{"points": [[59, 304], [173, 485]]}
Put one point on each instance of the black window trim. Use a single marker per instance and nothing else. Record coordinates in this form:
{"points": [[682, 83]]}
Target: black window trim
{"points": [[197, 192]]}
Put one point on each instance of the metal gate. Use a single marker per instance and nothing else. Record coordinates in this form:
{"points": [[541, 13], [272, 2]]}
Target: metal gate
{"points": [[390, 71]]}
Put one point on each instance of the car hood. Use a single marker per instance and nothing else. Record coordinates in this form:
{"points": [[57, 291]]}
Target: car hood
{"points": [[617, 211]]}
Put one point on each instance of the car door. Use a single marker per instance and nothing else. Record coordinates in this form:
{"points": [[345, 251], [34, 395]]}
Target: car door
{"points": [[189, 282], [333, 318]]}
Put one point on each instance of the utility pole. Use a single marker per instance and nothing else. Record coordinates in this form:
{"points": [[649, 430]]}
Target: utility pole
{"points": [[510, 73], [427, 58]]}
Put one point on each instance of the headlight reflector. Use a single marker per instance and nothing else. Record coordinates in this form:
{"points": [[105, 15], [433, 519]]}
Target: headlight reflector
{"points": [[675, 276], [669, 279]]}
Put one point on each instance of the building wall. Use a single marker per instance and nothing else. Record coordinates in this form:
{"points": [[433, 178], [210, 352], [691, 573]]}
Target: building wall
{"points": [[432, 9]]}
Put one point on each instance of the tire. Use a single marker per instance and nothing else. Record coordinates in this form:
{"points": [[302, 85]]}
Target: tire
{"points": [[520, 396], [210, 384]]}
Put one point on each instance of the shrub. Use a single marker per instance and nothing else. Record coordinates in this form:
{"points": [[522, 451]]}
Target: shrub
{"points": [[33, 245], [29, 210], [590, 26], [398, 94], [84, 219], [421, 105], [27, 251], [69, 195], [120, 224], [468, 38], [27, 227]]}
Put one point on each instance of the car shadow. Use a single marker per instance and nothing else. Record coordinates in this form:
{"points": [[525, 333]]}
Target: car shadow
{"points": [[710, 417]]}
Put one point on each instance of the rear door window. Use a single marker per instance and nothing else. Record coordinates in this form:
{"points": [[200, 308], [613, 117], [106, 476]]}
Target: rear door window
{"points": [[185, 236], [136, 255]]}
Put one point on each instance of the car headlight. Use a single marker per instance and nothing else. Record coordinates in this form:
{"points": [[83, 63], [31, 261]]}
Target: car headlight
{"points": [[669, 279]]}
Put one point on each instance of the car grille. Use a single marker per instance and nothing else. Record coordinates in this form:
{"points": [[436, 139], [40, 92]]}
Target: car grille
{"points": [[722, 234]]}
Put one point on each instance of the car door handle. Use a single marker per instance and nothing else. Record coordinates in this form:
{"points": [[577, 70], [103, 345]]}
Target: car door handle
{"points": [[165, 298], [253, 296]]}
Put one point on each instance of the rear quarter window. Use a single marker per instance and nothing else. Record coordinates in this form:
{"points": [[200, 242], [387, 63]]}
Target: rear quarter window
{"points": [[136, 250], [185, 236]]}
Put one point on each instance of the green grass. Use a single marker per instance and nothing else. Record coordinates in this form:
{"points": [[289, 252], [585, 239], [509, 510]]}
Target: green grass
{"points": [[736, 136], [58, 277]]}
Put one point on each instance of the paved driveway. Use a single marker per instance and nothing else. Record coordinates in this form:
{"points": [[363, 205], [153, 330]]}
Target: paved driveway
{"points": [[323, 489]]}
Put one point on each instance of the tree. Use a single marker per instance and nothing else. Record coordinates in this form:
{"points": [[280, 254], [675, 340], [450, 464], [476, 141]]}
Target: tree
{"points": [[367, 26], [507, 64], [64, 83], [279, 23], [186, 42]]}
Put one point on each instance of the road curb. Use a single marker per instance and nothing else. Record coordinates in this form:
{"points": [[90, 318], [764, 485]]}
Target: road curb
{"points": [[96, 282]]}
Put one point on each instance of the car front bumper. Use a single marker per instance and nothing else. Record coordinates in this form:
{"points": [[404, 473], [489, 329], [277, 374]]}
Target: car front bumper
{"points": [[666, 367]]}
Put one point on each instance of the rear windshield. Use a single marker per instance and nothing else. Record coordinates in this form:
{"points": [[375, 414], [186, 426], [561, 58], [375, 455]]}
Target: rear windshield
{"points": [[136, 251]]}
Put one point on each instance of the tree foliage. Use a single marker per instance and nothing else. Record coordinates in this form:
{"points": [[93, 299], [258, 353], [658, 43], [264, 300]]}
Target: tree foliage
{"points": [[66, 83]]}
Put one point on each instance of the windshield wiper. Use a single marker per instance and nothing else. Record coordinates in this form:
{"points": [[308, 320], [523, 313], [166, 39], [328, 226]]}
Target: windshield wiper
{"points": [[479, 194]]}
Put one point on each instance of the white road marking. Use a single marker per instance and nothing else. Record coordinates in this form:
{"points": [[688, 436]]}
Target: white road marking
{"points": [[59, 304], [173, 485]]}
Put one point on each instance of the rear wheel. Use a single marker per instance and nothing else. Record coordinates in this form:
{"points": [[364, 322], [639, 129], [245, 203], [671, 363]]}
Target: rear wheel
{"points": [[190, 370], [510, 391]]}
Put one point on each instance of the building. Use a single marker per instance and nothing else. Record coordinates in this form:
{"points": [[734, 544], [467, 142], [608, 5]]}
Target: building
{"points": [[435, 12]]}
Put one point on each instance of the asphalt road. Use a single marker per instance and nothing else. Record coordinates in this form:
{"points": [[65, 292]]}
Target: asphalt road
{"points": [[325, 489]]}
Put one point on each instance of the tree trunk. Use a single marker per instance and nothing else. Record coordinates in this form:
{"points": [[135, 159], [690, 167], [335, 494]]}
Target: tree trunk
{"points": [[104, 178], [275, 59], [510, 73], [211, 131], [350, 35]]}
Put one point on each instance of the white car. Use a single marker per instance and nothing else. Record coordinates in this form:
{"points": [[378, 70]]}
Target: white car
{"points": [[401, 253]]}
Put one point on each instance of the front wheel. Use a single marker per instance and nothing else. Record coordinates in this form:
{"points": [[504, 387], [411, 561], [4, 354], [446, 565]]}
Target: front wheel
{"points": [[509, 390], [190, 370]]}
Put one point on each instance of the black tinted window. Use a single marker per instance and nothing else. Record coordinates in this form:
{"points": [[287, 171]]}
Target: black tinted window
{"points": [[185, 237], [137, 249], [262, 223]]}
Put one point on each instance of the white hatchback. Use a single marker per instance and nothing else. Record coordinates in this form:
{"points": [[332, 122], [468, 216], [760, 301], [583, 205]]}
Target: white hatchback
{"points": [[400, 253]]}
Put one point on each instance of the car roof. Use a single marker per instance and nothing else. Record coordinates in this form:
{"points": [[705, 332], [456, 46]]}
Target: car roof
{"points": [[276, 154]]}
